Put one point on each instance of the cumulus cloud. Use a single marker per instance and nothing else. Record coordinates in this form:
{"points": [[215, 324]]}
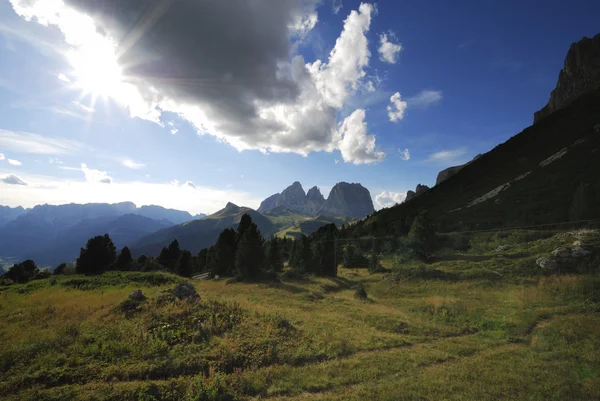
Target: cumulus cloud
{"points": [[404, 154], [190, 184], [13, 180], [388, 51], [425, 98], [447, 156], [356, 145], [132, 164], [396, 108], [95, 176], [14, 162], [25, 142], [389, 199], [248, 91], [174, 131]]}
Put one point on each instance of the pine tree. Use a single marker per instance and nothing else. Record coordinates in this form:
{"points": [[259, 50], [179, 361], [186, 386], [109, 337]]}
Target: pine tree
{"points": [[124, 260], [185, 266], [245, 223], [302, 258], [223, 262], [422, 235], [97, 256], [274, 258], [170, 255], [249, 256]]}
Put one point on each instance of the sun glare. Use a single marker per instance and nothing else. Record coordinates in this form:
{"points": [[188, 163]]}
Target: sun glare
{"points": [[96, 71]]}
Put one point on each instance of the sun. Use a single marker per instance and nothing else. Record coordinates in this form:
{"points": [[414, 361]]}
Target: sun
{"points": [[96, 70]]}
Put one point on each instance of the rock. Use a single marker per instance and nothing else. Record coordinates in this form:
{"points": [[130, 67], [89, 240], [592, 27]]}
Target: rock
{"points": [[410, 195], [502, 248], [577, 244], [561, 252], [137, 295], [450, 171], [420, 189], [185, 290], [546, 263], [579, 76], [579, 252], [351, 200]]}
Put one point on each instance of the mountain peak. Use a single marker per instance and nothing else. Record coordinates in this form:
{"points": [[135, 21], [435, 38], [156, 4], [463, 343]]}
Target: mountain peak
{"points": [[579, 76], [231, 205], [314, 194]]}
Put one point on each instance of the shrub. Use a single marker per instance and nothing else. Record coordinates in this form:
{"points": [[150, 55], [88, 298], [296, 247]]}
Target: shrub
{"points": [[360, 292]]}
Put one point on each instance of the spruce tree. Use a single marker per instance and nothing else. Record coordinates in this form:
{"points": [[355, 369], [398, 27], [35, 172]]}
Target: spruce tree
{"points": [[170, 255], [124, 260], [422, 235], [224, 253], [274, 258], [249, 256], [97, 256], [185, 266]]}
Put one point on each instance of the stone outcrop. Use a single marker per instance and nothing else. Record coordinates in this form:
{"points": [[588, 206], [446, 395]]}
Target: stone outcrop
{"points": [[450, 171], [579, 76], [418, 191], [350, 200]]}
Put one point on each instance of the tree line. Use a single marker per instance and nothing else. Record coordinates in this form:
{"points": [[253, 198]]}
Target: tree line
{"points": [[242, 253]]}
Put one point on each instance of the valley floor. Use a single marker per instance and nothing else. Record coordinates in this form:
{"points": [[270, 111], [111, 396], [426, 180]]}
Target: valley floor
{"points": [[503, 338]]}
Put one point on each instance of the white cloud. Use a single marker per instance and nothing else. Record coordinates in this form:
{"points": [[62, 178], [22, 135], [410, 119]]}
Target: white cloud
{"points": [[356, 145], [85, 108], [174, 131], [2, 156], [388, 51], [396, 108], [336, 6], [95, 176], [64, 78], [189, 184], [175, 182], [447, 156], [25, 142], [389, 199], [336, 161], [251, 96], [404, 154], [56, 191], [55, 160], [425, 98], [12, 179], [132, 165], [14, 162]]}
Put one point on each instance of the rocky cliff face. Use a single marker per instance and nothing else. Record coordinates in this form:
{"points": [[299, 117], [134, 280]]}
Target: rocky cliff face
{"points": [[450, 171], [418, 191], [352, 200], [580, 75]]}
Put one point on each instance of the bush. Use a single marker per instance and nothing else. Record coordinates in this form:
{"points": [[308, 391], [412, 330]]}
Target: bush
{"points": [[360, 292]]}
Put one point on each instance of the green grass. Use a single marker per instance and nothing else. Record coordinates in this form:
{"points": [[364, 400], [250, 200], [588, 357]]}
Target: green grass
{"points": [[425, 332]]}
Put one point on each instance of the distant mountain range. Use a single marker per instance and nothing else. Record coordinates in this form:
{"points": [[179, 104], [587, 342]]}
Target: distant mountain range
{"points": [[345, 200], [52, 234]]}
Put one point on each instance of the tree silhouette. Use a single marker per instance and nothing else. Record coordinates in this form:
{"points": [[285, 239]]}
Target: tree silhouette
{"points": [[245, 223], [97, 256], [185, 267], [274, 258], [23, 272], [250, 256], [60, 269], [422, 235], [170, 255], [124, 260], [223, 262], [302, 258]]}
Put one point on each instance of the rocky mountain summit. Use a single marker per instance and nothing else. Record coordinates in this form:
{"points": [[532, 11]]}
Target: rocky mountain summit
{"points": [[450, 171], [418, 191], [351, 200], [579, 76]]}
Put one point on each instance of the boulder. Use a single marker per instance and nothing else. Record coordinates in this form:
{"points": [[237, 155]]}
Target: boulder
{"points": [[579, 252], [186, 291], [577, 244], [137, 295], [546, 263], [561, 252]]}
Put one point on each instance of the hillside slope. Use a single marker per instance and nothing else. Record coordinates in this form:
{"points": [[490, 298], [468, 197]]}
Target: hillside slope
{"points": [[197, 234], [542, 175]]}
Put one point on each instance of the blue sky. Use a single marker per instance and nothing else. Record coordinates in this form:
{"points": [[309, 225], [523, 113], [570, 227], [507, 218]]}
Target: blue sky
{"points": [[469, 75]]}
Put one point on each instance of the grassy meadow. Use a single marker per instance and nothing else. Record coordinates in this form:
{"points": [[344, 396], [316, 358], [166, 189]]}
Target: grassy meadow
{"points": [[471, 326]]}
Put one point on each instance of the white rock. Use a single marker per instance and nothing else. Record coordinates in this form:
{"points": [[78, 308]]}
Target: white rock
{"points": [[561, 252], [577, 244], [546, 263], [502, 248]]}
